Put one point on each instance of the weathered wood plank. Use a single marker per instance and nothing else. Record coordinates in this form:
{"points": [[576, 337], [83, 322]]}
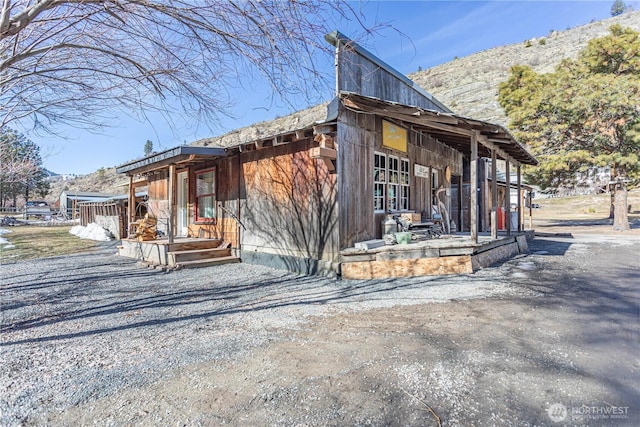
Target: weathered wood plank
{"points": [[407, 267]]}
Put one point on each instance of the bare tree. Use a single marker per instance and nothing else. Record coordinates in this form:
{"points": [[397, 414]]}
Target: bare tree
{"points": [[75, 62]]}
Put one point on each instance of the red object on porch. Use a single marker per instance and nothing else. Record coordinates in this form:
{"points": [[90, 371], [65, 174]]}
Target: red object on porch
{"points": [[501, 219]]}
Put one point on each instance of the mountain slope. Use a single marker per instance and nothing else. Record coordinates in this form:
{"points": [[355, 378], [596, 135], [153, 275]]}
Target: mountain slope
{"points": [[105, 180], [469, 85]]}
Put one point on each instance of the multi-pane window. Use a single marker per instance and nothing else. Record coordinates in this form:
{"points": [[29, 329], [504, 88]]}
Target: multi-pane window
{"points": [[206, 195], [390, 183], [403, 203], [394, 183], [379, 180]]}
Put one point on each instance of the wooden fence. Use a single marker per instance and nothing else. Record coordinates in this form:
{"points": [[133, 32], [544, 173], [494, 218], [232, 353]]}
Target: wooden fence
{"points": [[114, 210]]}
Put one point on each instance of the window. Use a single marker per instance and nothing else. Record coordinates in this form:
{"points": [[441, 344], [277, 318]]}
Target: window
{"points": [[394, 183], [404, 185], [434, 186], [206, 195], [390, 183], [379, 181]]}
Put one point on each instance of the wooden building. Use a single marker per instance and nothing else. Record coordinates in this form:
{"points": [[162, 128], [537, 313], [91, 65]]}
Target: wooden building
{"points": [[69, 201], [300, 191]]}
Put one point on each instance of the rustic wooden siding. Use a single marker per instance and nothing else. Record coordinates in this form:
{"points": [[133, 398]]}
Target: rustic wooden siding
{"points": [[288, 203], [158, 201], [360, 75], [359, 135]]}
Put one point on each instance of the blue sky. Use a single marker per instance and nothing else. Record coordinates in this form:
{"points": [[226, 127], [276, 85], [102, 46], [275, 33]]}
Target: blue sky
{"points": [[428, 33]]}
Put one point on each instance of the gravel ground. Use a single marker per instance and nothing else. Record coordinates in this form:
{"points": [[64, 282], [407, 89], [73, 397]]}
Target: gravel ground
{"points": [[97, 339]]}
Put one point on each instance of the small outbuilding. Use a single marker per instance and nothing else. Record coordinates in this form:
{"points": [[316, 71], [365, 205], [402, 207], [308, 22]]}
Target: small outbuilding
{"points": [[70, 200]]}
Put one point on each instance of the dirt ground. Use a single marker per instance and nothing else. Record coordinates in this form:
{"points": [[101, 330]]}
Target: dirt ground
{"points": [[563, 351]]}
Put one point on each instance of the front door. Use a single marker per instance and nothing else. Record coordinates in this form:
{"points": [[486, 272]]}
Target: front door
{"points": [[182, 227]]}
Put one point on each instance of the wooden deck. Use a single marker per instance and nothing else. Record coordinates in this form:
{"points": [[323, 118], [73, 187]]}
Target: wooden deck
{"points": [[454, 254]]}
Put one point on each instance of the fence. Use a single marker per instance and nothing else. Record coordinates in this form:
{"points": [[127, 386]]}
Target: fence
{"points": [[111, 215], [10, 210]]}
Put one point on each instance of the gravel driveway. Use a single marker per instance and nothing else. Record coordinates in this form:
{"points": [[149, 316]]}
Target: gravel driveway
{"points": [[97, 339]]}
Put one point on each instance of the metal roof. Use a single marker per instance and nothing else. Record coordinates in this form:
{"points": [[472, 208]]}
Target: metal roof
{"points": [[177, 155]]}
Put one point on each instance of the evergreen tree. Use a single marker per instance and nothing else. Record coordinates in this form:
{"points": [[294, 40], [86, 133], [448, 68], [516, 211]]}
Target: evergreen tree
{"points": [[585, 114], [20, 166], [148, 147], [618, 8]]}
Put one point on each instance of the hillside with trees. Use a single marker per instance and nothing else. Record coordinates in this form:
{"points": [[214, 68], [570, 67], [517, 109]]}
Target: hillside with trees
{"points": [[469, 85], [583, 115]]}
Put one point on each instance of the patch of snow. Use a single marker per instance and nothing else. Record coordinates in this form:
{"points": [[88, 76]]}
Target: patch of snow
{"points": [[527, 266], [4, 242], [92, 232]]}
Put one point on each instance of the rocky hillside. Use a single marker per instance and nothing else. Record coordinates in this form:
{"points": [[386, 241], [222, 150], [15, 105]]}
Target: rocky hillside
{"points": [[104, 180], [469, 85]]}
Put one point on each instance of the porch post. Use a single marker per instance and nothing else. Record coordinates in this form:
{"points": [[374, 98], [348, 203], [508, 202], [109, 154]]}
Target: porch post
{"points": [[430, 194], [172, 196], [132, 205], [508, 197], [494, 195], [519, 169], [473, 208]]}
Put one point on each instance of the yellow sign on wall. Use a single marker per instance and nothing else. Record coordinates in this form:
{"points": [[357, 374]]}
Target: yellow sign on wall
{"points": [[394, 136]]}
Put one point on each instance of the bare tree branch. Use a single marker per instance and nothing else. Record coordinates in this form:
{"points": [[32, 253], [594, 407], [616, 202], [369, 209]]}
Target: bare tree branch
{"points": [[72, 61]]}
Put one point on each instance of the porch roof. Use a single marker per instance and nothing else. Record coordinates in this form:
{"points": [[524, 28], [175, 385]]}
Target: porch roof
{"points": [[450, 129], [182, 155]]}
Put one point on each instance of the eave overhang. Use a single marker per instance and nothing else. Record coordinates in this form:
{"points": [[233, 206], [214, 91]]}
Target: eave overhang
{"points": [[182, 155], [450, 129]]}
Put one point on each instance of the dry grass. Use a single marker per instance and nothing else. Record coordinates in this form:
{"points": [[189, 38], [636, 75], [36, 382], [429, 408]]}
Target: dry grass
{"points": [[39, 242], [588, 208]]}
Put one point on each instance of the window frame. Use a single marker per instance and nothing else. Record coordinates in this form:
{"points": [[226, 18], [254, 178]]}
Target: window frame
{"points": [[396, 169], [405, 184], [198, 218], [379, 183], [393, 184]]}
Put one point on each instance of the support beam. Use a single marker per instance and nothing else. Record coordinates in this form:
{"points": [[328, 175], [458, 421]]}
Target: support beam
{"points": [[132, 204], [172, 200], [494, 147], [508, 197], [473, 188], [430, 194], [520, 215], [494, 195]]}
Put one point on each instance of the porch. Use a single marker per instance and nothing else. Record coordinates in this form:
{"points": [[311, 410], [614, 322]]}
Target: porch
{"points": [[450, 254], [181, 252]]}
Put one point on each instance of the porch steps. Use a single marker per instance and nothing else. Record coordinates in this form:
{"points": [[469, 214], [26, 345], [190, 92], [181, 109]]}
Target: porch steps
{"points": [[207, 262], [197, 244], [201, 254]]}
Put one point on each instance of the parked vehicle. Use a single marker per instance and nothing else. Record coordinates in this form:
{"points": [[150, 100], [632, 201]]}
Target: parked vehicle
{"points": [[37, 209]]}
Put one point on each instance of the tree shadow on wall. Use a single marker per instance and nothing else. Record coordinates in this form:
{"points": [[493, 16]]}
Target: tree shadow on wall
{"points": [[290, 209]]}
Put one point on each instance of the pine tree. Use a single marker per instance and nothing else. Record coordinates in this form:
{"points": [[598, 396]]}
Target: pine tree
{"points": [[618, 8], [583, 115], [148, 147]]}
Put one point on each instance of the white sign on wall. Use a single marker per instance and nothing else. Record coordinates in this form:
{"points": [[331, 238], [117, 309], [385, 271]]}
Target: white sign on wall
{"points": [[421, 171]]}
